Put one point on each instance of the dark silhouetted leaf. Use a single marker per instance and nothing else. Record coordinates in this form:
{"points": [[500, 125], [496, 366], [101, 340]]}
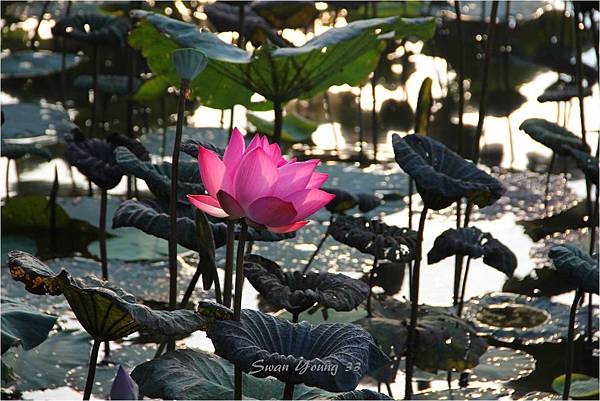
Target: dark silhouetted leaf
{"points": [[23, 325], [552, 135], [474, 243], [562, 91], [18, 150], [269, 341], [572, 218], [375, 238], [343, 200], [578, 264], [96, 29], [443, 177], [105, 311], [390, 335], [541, 282], [33, 64], [296, 291], [585, 162]]}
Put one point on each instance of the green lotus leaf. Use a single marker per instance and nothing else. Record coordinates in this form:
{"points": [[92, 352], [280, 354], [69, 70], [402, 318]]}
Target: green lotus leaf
{"points": [[105, 311], [582, 386], [579, 265], [109, 84], [286, 14], [199, 375], [151, 90], [33, 64], [424, 103], [28, 122], [18, 150], [338, 56], [552, 135], [189, 63], [23, 325], [93, 28], [295, 128]]}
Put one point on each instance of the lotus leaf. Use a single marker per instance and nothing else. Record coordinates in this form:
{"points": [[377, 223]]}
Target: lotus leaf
{"points": [[585, 162], [28, 122], [33, 64], [335, 355], [295, 128], [92, 28], [582, 386], [18, 150], [23, 325], [443, 177], [375, 238], [297, 292], [541, 282], [552, 135], [582, 268], [109, 84], [562, 91]]}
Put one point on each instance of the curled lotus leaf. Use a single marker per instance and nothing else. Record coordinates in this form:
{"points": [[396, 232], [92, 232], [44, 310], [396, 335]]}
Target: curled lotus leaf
{"points": [[190, 147], [318, 356], [18, 150], [105, 311], [96, 29], [585, 162], [296, 291], [443, 177], [23, 325], [152, 217], [517, 318], [474, 243], [188, 374], [552, 135], [95, 158], [158, 176], [391, 243], [582, 268]]}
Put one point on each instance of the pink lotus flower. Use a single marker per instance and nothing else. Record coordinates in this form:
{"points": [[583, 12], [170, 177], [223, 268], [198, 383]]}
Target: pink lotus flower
{"points": [[257, 183]]}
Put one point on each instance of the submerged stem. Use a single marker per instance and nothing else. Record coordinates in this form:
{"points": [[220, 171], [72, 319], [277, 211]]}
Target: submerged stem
{"points": [[228, 285], [89, 383], [414, 302], [570, 342], [173, 204]]}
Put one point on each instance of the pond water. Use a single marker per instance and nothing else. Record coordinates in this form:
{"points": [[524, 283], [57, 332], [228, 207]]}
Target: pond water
{"points": [[521, 167]]}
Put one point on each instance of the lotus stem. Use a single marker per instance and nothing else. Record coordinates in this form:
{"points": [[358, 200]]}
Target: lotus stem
{"points": [[360, 124], [374, 113], [414, 302], [89, 383], [288, 391], [192, 286], [165, 124], [95, 89], [464, 287], [237, 302], [102, 235], [410, 203], [90, 190], [457, 260], [37, 26], [371, 273], [570, 343], [319, 246], [278, 124], [8, 178], [489, 44], [227, 289], [173, 204], [389, 389], [506, 64], [461, 79], [295, 317], [548, 175], [52, 206]]}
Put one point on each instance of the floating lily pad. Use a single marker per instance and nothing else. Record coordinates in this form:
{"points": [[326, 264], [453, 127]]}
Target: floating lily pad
{"points": [[33, 64], [582, 386], [28, 122], [23, 325], [295, 129], [511, 317], [109, 84], [465, 394]]}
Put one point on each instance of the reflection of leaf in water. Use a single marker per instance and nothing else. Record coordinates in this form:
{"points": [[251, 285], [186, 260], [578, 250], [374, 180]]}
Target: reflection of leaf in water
{"points": [[540, 282], [572, 218]]}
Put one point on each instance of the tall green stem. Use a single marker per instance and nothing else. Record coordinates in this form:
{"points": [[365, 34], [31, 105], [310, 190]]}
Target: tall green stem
{"points": [[411, 343], [278, 125], [228, 286], [237, 302], [8, 178], [570, 341], [173, 204], [89, 383]]}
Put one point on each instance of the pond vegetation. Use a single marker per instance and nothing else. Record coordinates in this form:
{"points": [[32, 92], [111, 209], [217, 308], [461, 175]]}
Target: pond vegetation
{"points": [[346, 159]]}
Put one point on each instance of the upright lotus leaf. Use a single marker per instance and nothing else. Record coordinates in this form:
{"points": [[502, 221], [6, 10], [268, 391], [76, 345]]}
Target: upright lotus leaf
{"points": [[344, 55], [109, 84], [105, 311], [443, 177], [158, 176], [33, 64], [123, 387], [552, 135], [582, 268], [190, 147], [95, 158], [23, 325], [264, 345], [585, 162], [18, 150], [92, 28], [474, 243], [295, 128], [286, 14], [152, 217], [391, 243], [189, 63], [188, 374], [296, 291]]}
